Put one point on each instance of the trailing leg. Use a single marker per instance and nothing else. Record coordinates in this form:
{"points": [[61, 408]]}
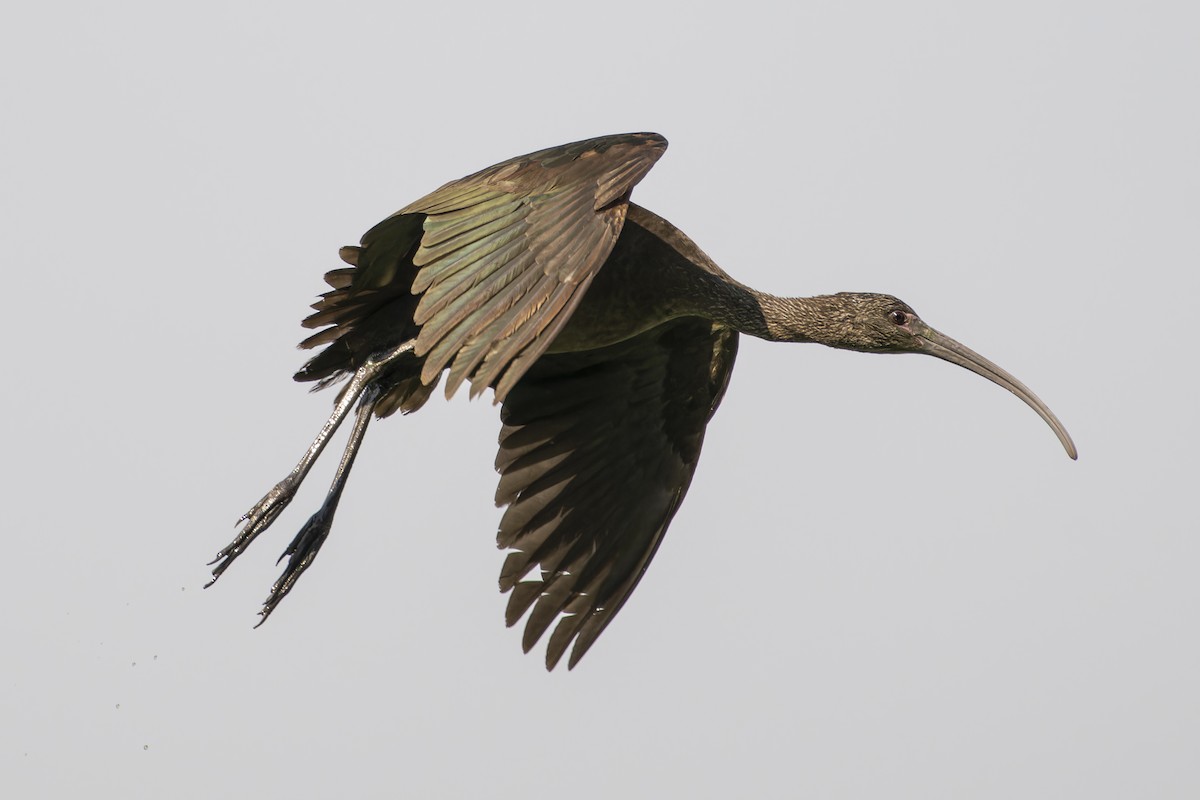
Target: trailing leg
{"points": [[266, 510], [304, 548]]}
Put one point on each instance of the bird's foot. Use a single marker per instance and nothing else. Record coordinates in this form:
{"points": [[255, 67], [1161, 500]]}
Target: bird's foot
{"points": [[257, 520], [300, 554]]}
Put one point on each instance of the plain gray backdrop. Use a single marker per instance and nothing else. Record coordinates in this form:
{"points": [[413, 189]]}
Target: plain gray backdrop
{"points": [[887, 580]]}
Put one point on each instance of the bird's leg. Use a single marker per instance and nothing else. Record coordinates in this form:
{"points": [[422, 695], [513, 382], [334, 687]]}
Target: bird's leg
{"points": [[266, 510], [303, 549]]}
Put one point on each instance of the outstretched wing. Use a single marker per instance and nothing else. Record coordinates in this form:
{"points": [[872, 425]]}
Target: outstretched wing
{"points": [[596, 453], [507, 253], [484, 271]]}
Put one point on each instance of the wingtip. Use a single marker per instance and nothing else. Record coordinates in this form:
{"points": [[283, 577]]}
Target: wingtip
{"points": [[654, 139]]}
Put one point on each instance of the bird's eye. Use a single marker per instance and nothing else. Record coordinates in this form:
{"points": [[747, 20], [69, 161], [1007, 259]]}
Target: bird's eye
{"points": [[898, 317]]}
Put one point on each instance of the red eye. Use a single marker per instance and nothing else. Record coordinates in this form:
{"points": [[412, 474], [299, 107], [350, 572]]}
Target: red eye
{"points": [[898, 317]]}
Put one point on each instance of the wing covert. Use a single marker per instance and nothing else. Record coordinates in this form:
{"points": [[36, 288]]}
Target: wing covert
{"points": [[507, 253]]}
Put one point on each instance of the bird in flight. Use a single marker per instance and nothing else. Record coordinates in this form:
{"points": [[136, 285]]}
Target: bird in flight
{"points": [[608, 338]]}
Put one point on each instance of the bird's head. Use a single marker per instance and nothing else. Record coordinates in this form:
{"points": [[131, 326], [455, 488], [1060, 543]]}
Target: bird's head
{"points": [[869, 323], [880, 323]]}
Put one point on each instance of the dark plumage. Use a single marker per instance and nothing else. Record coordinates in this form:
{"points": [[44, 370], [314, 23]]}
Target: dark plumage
{"points": [[608, 338]]}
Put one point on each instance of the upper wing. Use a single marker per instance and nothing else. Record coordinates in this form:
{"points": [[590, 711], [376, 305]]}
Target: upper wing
{"points": [[484, 271], [596, 453], [507, 253]]}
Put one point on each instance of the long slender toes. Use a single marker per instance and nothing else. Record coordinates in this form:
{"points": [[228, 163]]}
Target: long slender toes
{"points": [[257, 519], [310, 537], [300, 554]]}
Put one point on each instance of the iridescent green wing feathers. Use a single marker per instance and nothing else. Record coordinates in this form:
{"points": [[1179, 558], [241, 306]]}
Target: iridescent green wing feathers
{"points": [[507, 254]]}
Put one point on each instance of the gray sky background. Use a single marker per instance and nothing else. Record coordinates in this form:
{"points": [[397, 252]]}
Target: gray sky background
{"points": [[887, 581]]}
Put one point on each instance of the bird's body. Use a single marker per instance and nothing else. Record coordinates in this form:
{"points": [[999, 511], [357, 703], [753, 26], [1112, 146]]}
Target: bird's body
{"points": [[626, 299], [608, 337]]}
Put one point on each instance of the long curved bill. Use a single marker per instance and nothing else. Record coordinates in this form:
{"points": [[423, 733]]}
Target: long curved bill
{"points": [[945, 348]]}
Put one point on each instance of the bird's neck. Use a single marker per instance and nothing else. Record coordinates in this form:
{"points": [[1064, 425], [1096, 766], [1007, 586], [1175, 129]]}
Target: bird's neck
{"points": [[783, 319], [686, 282]]}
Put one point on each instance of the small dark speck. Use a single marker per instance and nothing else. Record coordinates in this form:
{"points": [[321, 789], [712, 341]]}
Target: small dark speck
{"points": [[145, 747]]}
